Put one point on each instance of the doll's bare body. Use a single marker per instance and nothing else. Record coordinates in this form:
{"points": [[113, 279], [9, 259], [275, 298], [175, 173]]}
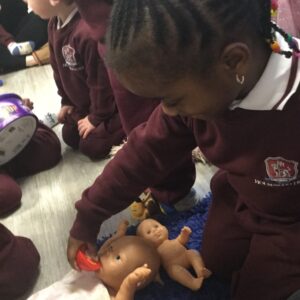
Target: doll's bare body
{"points": [[128, 263], [175, 258]]}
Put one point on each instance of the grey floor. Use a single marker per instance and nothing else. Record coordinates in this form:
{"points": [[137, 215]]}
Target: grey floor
{"points": [[47, 210]]}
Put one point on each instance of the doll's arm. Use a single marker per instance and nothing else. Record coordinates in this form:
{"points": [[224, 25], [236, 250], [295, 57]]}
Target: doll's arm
{"points": [[121, 231], [131, 283], [184, 235]]}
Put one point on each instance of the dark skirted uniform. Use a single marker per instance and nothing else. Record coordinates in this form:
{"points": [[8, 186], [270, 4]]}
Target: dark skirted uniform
{"points": [[19, 258], [253, 228], [83, 83]]}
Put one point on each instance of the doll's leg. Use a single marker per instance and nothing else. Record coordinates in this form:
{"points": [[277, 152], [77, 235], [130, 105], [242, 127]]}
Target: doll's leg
{"points": [[99, 142], [19, 264], [197, 263], [272, 267], [42, 152], [184, 277], [10, 194]]}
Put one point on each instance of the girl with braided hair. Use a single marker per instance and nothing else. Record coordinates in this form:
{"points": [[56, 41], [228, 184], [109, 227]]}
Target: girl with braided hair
{"points": [[229, 79]]}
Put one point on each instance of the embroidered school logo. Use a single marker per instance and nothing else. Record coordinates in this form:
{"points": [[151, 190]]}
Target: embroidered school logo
{"points": [[281, 170], [69, 55]]}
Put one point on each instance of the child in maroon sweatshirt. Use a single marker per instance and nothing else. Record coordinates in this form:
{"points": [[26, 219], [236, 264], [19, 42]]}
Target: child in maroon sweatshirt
{"points": [[19, 259], [88, 112], [224, 90]]}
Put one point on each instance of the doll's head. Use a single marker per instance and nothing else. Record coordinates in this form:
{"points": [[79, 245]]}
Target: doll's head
{"points": [[198, 56], [153, 231], [122, 256]]}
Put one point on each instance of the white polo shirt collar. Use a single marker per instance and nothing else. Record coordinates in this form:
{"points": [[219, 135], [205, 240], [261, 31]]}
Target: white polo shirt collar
{"points": [[61, 25], [271, 87]]}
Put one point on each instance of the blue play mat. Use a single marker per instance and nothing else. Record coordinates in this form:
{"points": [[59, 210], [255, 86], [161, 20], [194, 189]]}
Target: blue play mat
{"points": [[212, 288]]}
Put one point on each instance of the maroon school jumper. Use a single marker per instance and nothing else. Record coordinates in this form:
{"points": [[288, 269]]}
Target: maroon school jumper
{"points": [[135, 110], [5, 37], [253, 227], [82, 82], [17, 253]]}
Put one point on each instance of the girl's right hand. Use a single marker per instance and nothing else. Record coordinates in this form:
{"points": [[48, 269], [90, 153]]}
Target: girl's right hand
{"points": [[72, 249]]}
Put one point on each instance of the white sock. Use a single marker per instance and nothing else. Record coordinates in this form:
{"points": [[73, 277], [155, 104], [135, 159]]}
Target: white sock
{"points": [[21, 48]]}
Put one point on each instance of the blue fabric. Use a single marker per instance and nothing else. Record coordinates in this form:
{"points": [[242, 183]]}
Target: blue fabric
{"points": [[212, 288]]}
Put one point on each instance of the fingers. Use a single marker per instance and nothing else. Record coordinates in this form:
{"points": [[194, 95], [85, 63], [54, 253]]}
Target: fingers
{"points": [[72, 249], [66, 109]]}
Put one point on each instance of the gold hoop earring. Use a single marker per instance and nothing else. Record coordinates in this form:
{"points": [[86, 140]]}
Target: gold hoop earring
{"points": [[240, 80]]}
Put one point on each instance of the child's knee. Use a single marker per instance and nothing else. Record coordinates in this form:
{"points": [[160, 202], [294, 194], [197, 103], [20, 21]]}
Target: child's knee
{"points": [[93, 149], [19, 264], [10, 194]]}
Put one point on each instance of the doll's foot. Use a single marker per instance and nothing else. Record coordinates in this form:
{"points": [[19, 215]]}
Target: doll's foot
{"points": [[196, 283]]}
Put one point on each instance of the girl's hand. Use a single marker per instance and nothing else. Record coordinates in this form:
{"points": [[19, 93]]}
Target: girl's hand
{"points": [[72, 249], [85, 127], [27, 103], [65, 110]]}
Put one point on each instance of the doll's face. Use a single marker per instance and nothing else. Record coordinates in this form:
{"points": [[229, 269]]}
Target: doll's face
{"points": [[122, 256], [153, 231]]}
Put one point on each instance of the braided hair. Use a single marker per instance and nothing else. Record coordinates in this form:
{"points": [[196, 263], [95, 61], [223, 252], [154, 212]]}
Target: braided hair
{"points": [[184, 33]]}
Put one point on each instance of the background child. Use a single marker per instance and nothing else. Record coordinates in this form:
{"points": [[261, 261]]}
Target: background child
{"points": [[211, 63], [20, 34], [88, 112], [18, 253]]}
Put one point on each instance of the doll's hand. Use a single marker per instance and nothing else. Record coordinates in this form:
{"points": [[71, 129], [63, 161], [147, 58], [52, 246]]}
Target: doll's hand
{"points": [[27, 103], [64, 111], [85, 127], [186, 230], [72, 249], [137, 277]]}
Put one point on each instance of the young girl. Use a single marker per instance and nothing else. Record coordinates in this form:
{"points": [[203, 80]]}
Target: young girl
{"points": [[229, 80]]}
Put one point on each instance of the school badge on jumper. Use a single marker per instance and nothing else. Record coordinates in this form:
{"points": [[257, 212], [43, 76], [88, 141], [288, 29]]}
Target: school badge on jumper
{"points": [[281, 170], [68, 53]]}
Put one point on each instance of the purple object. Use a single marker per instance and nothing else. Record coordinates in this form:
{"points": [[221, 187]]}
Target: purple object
{"points": [[17, 126]]}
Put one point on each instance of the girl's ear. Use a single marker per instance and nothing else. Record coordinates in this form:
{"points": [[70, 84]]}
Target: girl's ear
{"points": [[235, 58]]}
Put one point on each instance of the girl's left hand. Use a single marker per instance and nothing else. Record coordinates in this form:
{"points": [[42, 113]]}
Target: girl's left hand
{"points": [[85, 127], [27, 103]]}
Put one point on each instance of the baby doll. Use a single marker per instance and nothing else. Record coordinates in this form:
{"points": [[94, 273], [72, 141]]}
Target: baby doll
{"points": [[175, 258], [127, 263]]}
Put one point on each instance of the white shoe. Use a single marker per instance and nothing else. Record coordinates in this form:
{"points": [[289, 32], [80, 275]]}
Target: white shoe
{"points": [[50, 120]]}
